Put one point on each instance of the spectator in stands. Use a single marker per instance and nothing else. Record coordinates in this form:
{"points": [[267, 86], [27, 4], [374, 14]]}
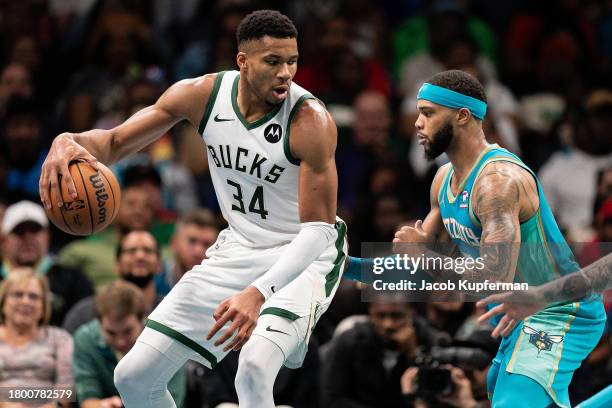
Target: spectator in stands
{"points": [[147, 176], [378, 216], [420, 43], [96, 254], [371, 155], [138, 261], [447, 316], [101, 343], [359, 152], [460, 395], [363, 365], [15, 80], [26, 244], [119, 48], [569, 177], [338, 72], [177, 183], [22, 140], [604, 187], [32, 354], [601, 242], [193, 235]]}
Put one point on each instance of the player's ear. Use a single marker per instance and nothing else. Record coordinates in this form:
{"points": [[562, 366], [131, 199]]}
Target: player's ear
{"points": [[241, 59], [463, 116]]}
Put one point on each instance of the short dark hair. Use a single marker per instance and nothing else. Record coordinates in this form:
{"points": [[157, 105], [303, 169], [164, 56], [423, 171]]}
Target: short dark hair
{"points": [[459, 81], [265, 22], [139, 174]]}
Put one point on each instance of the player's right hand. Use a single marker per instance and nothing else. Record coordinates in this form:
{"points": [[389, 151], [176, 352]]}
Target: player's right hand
{"points": [[411, 240], [242, 310], [63, 151]]}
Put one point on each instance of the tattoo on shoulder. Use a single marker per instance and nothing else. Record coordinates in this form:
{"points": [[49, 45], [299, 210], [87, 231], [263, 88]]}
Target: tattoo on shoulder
{"points": [[497, 196]]}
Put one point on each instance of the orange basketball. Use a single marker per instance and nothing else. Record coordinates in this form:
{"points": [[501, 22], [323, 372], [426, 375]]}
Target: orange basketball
{"points": [[96, 205]]}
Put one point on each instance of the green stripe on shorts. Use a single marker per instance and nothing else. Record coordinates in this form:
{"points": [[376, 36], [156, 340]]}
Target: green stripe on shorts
{"points": [[277, 311], [181, 338], [332, 277]]}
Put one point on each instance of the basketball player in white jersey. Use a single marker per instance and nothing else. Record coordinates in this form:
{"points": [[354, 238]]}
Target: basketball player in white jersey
{"points": [[273, 272]]}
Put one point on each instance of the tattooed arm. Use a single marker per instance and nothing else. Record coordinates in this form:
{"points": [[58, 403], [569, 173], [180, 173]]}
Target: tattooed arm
{"points": [[517, 305], [504, 195], [497, 204], [595, 278]]}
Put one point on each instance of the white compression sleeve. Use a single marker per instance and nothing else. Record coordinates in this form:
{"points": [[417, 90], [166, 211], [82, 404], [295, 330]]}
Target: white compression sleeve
{"points": [[258, 365], [305, 248]]}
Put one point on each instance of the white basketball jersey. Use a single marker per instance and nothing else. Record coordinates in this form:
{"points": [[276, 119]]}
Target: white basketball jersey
{"points": [[254, 174]]}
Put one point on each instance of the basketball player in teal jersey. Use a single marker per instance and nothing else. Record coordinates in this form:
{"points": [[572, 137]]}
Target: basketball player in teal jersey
{"points": [[518, 305], [488, 201], [273, 272]]}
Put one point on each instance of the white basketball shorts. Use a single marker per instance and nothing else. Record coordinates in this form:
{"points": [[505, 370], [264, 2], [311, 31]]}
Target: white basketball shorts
{"points": [[186, 313]]}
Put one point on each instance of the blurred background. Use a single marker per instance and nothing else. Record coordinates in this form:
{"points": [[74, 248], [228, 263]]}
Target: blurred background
{"points": [[73, 65]]}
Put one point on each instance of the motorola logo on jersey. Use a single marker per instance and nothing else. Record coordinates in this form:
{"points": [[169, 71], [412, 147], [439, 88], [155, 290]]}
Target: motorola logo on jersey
{"points": [[273, 133]]}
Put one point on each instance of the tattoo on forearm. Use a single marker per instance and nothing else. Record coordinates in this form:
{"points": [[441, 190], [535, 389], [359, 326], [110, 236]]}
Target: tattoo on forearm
{"points": [[595, 278]]}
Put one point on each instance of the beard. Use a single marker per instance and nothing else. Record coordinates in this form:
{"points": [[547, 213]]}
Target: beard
{"points": [[440, 142], [140, 281]]}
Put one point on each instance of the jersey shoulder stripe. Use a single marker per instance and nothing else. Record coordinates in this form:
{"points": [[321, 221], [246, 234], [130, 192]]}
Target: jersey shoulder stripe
{"points": [[211, 101], [294, 110]]}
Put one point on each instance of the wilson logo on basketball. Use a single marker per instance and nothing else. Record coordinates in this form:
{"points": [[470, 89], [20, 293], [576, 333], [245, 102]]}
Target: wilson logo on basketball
{"points": [[101, 195]]}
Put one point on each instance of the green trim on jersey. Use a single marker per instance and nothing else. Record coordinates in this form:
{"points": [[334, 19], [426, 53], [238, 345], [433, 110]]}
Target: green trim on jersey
{"points": [[242, 119], [332, 277], [181, 338], [277, 311], [286, 145], [211, 101]]}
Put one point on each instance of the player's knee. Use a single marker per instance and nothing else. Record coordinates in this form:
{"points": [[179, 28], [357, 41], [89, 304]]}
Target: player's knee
{"points": [[126, 376], [250, 374], [122, 376]]}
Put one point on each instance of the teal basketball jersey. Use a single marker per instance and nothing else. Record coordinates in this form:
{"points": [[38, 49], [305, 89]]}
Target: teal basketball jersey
{"points": [[544, 254], [575, 327]]}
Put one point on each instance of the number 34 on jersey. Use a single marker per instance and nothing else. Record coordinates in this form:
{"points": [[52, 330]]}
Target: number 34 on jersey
{"points": [[246, 162]]}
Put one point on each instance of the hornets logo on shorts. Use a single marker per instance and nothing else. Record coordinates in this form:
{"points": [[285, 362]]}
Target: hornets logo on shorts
{"points": [[542, 340]]}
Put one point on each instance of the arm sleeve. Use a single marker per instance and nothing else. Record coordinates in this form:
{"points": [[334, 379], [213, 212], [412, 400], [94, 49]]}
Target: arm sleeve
{"points": [[306, 247], [361, 270]]}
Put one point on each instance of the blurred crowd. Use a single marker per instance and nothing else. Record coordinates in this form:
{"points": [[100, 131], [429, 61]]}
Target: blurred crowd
{"points": [[71, 308]]}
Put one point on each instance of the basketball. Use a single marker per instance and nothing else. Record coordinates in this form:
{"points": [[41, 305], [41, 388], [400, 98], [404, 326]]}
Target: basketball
{"points": [[96, 205]]}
